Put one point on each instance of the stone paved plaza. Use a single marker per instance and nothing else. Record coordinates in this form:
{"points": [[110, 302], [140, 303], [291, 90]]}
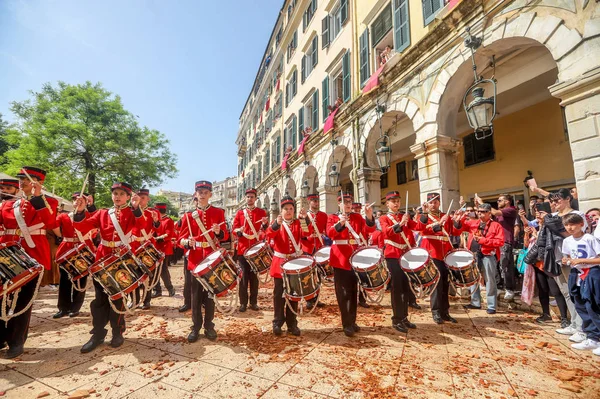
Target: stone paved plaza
{"points": [[501, 356]]}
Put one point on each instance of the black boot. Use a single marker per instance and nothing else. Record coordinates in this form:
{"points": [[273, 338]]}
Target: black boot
{"points": [[193, 336], [59, 314], [117, 341], [415, 305], [210, 333], [437, 318], [408, 324], [349, 331], [171, 291], [184, 308], [277, 330], [400, 327], [14, 351], [447, 317], [294, 331], [92, 344]]}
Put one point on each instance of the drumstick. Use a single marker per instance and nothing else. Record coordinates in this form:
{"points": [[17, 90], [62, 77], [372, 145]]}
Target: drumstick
{"points": [[84, 184], [208, 231], [29, 177], [342, 202], [451, 202], [10, 195], [433, 199], [370, 205], [406, 202]]}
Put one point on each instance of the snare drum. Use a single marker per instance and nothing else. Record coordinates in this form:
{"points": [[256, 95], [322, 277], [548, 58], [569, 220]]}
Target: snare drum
{"points": [[119, 273], [463, 267], [259, 256], [217, 272], [420, 269], [149, 255], [16, 267], [322, 259], [76, 261], [300, 278], [369, 265]]}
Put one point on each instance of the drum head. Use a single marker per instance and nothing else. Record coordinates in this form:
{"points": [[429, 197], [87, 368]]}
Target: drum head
{"points": [[365, 258], [414, 258], [297, 264], [255, 248], [323, 254], [459, 259]]}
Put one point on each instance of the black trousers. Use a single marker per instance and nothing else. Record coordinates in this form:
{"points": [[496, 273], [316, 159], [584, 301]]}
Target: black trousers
{"points": [[249, 278], [187, 283], [346, 287], [400, 290], [281, 312], [165, 275], [439, 297], [102, 314], [199, 298], [547, 286], [15, 331], [507, 262], [69, 299]]}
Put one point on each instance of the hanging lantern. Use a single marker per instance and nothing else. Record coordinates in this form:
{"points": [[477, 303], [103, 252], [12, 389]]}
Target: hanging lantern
{"points": [[384, 153], [305, 189], [274, 207], [334, 177]]}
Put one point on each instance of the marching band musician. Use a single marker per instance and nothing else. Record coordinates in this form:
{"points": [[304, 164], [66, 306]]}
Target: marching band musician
{"points": [[139, 235], [312, 244], [25, 220], [344, 229], [165, 233], [200, 233], [286, 232], [396, 228], [435, 228], [357, 208], [70, 300], [115, 225], [249, 226]]}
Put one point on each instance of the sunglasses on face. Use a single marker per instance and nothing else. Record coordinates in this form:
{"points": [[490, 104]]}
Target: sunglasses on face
{"points": [[482, 211]]}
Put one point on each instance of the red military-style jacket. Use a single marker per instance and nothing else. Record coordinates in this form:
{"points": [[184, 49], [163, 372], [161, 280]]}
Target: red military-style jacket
{"points": [[141, 234], [70, 240], [208, 216], [492, 235], [433, 238], [127, 218], [394, 241], [167, 231], [39, 213], [344, 243], [282, 244], [248, 239], [313, 243]]}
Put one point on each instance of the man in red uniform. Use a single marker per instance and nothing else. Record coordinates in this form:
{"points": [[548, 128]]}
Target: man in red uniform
{"points": [[357, 208], [115, 225], [25, 220], [164, 235], [398, 239], [139, 235], [435, 228], [70, 299], [344, 228], [286, 234], [249, 226], [200, 233], [311, 244]]}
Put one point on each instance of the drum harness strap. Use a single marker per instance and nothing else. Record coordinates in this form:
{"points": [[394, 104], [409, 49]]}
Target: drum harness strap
{"points": [[436, 221], [394, 244], [314, 224], [248, 219], [77, 232], [359, 238], [23, 225], [205, 232], [294, 242]]}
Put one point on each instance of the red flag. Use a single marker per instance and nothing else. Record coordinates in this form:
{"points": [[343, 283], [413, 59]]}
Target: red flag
{"points": [[277, 88], [284, 162], [243, 173], [261, 118], [268, 104], [301, 148], [373, 81], [329, 122]]}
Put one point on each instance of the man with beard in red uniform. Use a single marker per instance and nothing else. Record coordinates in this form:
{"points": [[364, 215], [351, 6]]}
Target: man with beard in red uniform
{"points": [[286, 232], [25, 220], [344, 228], [115, 225], [139, 235], [70, 299], [311, 244], [396, 229], [435, 228], [164, 235], [200, 233], [249, 225]]}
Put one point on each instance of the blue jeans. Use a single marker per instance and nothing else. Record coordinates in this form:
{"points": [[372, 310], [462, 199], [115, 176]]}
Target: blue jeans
{"points": [[489, 264], [588, 303]]}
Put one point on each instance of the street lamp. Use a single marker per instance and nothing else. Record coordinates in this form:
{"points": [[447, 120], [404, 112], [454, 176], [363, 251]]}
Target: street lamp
{"points": [[334, 176], [383, 150], [273, 205], [305, 189], [481, 111]]}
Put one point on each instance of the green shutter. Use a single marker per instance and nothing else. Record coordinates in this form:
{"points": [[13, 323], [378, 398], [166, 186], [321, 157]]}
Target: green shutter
{"points": [[285, 135], [325, 32], [303, 69], [325, 99], [300, 122], [278, 148], [294, 130], [401, 25], [346, 76], [430, 8], [344, 11], [364, 57], [315, 51], [315, 111]]}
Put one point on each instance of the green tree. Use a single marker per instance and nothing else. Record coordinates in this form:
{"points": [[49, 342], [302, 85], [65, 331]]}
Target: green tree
{"points": [[76, 130], [171, 210], [4, 144]]}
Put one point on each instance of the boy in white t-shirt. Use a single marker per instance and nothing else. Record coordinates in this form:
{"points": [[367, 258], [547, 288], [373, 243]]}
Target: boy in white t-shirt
{"points": [[582, 251]]}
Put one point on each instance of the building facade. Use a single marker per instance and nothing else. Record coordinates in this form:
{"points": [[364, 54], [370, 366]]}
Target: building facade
{"points": [[224, 196], [543, 56], [180, 200]]}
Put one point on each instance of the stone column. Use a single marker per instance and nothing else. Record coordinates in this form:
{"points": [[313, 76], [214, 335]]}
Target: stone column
{"points": [[581, 99], [274, 211], [438, 168], [369, 187], [328, 199], [301, 203]]}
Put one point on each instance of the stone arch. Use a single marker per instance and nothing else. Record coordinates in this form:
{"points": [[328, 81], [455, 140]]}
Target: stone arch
{"points": [[290, 188], [276, 196], [311, 176], [266, 202]]}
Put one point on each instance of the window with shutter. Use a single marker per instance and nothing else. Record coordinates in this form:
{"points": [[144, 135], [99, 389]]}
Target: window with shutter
{"points": [[294, 84], [382, 25], [303, 69], [325, 32], [430, 8], [315, 111], [401, 25], [346, 76], [365, 72], [401, 172], [315, 51], [478, 151], [325, 90], [286, 132], [300, 122], [344, 11], [278, 148]]}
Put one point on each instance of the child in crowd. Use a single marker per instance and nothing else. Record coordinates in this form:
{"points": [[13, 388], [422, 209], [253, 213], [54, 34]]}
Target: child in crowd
{"points": [[582, 251]]}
